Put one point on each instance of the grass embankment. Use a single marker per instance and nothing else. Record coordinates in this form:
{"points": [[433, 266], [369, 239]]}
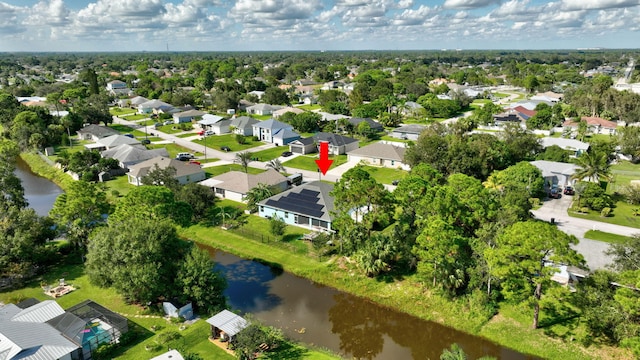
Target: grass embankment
{"points": [[407, 295], [42, 168], [606, 237]]}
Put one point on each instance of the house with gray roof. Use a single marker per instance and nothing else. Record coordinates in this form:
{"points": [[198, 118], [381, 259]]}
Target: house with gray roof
{"points": [[112, 141], [303, 146], [128, 155], [557, 173], [154, 106], [408, 132], [243, 125], [374, 125], [338, 144], [95, 132], [185, 172], [234, 185], [308, 205], [285, 136], [262, 109], [380, 154], [187, 116], [226, 325], [208, 120], [576, 147]]}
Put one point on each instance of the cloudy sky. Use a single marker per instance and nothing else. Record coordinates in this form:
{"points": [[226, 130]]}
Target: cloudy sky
{"points": [[223, 25]]}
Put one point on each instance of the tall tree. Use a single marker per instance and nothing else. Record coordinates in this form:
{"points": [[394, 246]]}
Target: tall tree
{"points": [[79, 210], [594, 165], [162, 177], [200, 283], [244, 158], [152, 203], [520, 259], [275, 164]]}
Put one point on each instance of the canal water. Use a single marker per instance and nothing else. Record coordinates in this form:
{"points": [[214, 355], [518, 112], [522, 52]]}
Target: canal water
{"points": [[313, 313], [39, 192]]}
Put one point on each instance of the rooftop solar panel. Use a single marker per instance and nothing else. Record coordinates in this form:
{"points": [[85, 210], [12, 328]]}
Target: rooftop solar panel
{"points": [[308, 192]]}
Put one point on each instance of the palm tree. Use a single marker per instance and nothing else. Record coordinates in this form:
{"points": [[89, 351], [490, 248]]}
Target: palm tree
{"points": [[257, 194], [244, 158], [275, 164], [594, 165]]}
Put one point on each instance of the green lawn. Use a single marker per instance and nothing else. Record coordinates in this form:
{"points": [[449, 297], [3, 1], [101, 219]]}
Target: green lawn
{"points": [[217, 141], [606, 237], [310, 107], [270, 154], [174, 128], [121, 111], [217, 170], [123, 129], [305, 162], [385, 175], [173, 149], [187, 135], [261, 117], [149, 122], [391, 138], [136, 117], [119, 184]]}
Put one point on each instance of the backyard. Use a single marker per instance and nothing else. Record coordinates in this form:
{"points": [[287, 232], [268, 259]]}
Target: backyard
{"points": [[221, 169], [229, 140], [175, 128], [305, 162], [385, 175], [121, 111]]}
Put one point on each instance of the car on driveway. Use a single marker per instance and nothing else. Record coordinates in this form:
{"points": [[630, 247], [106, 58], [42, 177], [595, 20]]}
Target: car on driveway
{"points": [[568, 190], [225, 148], [286, 154], [555, 193]]}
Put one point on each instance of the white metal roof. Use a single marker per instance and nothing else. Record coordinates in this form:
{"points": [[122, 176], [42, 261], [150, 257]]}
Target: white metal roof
{"points": [[228, 322]]}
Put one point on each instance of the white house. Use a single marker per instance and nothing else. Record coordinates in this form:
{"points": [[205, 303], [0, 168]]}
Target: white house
{"points": [[234, 185], [187, 116], [262, 109], [380, 154], [185, 172], [408, 132], [265, 130], [557, 173]]}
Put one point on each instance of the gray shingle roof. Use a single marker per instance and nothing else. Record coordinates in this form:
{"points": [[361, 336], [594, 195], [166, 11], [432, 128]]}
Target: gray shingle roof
{"points": [[380, 151], [241, 183], [410, 129], [334, 139], [182, 169], [98, 131]]}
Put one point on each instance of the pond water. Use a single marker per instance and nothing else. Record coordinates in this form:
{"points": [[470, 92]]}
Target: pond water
{"points": [[39, 192], [313, 313], [345, 324]]}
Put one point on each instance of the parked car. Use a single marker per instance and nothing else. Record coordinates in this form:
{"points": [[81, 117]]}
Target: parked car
{"points": [[287, 153], [186, 156], [554, 193], [225, 148], [129, 135], [146, 142], [168, 122], [568, 190], [194, 162], [395, 182], [209, 133]]}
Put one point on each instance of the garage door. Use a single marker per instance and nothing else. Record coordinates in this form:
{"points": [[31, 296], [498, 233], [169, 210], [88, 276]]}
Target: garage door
{"points": [[296, 149]]}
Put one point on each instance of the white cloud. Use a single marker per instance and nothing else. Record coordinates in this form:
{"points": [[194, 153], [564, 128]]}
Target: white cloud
{"points": [[468, 4], [48, 12], [414, 17], [597, 4]]}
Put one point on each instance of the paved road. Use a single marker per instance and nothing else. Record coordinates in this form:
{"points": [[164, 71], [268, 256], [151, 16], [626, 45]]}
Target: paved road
{"points": [[592, 250]]}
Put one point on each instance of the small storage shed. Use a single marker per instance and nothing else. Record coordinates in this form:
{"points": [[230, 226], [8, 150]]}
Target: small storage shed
{"points": [[173, 311]]}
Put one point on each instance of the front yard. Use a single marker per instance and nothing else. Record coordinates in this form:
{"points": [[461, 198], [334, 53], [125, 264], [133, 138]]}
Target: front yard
{"points": [[270, 154], [229, 140], [221, 169], [173, 149], [305, 162]]}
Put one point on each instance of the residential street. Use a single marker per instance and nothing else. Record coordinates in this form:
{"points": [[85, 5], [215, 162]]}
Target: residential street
{"points": [[592, 250]]}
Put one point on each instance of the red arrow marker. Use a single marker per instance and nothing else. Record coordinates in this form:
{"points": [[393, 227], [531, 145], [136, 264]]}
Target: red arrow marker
{"points": [[324, 163]]}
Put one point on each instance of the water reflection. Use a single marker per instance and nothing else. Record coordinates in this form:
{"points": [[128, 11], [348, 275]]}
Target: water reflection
{"points": [[39, 192], [324, 317]]}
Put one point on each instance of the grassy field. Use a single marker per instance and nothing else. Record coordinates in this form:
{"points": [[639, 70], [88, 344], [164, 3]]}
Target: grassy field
{"points": [[217, 170], [270, 154], [217, 141], [391, 138], [261, 117], [121, 111], [136, 117], [174, 128], [187, 135], [385, 175], [123, 129], [606, 237], [305, 162], [173, 149]]}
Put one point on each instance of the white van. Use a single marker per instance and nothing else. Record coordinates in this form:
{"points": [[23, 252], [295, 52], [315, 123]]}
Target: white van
{"points": [[181, 156]]}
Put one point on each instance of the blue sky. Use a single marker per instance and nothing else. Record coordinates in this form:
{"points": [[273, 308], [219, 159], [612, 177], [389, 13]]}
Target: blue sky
{"points": [[226, 25]]}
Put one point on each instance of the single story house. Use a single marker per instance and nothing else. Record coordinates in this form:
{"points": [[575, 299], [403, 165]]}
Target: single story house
{"points": [[308, 205], [595, 125], [548, 96], [557, 173], [338, 144], [133, 102], [332, 117], [187, 116], [303, 146], [185, 172], [408, 132], [374, 125], [128, 155], [225, 325], [243, 125], [208, 120], [380, 154], [257, 93], [112, 141], [43, 330], [411, 108], [278, 113], [265, 130], [234, 185], [154, 107], [220, 127], [531, 104], [95, 132], [577, 147], [262, 109]]}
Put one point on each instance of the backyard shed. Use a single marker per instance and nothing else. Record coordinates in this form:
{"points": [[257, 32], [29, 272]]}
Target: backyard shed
{"points": [[226, 325]]}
